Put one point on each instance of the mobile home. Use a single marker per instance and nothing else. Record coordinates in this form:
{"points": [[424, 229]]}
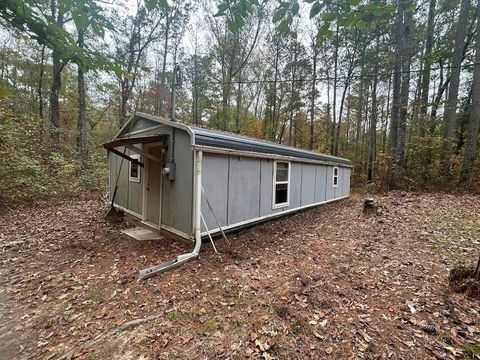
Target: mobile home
{"points": [[191, 181]]}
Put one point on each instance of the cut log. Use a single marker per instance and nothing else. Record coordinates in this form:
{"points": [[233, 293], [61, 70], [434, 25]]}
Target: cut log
{"points": [[369, 206], [476, 273], [369, 203]]}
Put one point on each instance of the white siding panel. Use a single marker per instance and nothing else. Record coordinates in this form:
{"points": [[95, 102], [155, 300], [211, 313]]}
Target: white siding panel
{"points": [[320, 184], [330, 193], [295, 185], [215, 184], [308, 184], [244, 189]]}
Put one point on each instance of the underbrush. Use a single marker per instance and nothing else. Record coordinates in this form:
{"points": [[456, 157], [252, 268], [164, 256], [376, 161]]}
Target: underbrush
{"points": [[35, 167]]}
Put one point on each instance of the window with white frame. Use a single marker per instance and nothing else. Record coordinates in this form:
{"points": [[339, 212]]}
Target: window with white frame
{"points": [[134, 174], [335, 176], [281, 184]]}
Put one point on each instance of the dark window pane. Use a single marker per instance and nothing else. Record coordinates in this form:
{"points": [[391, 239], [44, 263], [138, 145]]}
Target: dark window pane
{"points": [[281, 193], [282, 171], [335, 171], [134, 171], [335, 180]]}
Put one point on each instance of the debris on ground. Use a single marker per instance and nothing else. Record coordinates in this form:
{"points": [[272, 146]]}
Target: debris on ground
{"points": [[466, 280], [327, 283]]}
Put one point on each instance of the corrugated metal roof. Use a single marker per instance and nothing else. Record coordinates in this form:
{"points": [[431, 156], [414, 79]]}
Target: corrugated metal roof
{"points": [[228, 140]]}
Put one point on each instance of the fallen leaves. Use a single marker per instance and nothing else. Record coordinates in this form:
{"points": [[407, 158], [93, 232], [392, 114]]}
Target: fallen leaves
{"points": [[323, 283]]}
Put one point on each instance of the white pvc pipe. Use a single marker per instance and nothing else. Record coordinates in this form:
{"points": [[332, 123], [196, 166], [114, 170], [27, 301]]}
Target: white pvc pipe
{"points": [[197, 193], [198, 200]]}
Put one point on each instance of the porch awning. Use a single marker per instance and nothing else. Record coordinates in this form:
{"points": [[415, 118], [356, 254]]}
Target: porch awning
{"points": [[129, 143], [132, 140]]}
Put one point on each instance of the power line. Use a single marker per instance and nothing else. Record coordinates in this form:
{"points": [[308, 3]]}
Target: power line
{"points": [[327, 78]]}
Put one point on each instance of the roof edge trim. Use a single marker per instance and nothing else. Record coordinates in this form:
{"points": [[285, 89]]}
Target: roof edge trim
{"points": [[165, 121]]}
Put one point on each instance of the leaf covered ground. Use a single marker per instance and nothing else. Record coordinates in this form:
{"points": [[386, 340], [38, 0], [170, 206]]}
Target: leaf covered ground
{"points": [[329, 282]]}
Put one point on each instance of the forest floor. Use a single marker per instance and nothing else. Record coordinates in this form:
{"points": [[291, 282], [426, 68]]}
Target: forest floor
{"points": [[329, 282]]}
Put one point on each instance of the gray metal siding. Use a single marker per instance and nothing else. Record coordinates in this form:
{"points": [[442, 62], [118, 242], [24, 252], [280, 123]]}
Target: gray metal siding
{"points": [[244, 189], [112, 164], [177, 195], [295, 185], [266, 186], [135, 195], [320, 183], [215, 184], [241, 189], [341, 190], [337, 190], [308, 184], [129, 193], [138, 124], [330, 193], [346, 181]]}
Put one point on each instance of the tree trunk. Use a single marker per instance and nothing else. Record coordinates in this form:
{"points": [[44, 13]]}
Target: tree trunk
{"points": [[387, 115], [292, 99], [225, 104], [40, 82], [416, 98], [451, 105], [239, 103], [443, 86], [274, 111], [397, 83], [329, 107], [335, 79], [339, 122], [397, 79], [372, 142], [161, 107], [474, 120], [372, 132], [195, 88], [404, 92], [427, 64], [347, 135], [56, 78], [81, 121], [359, 110], [351, 67], [314, 94]]}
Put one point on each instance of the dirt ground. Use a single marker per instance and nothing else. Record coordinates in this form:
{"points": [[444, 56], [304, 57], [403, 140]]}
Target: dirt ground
{"points": [[329, 282]]}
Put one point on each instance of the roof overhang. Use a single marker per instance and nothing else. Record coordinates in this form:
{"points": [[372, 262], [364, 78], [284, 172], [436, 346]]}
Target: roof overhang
{"points": [[130, 141], [224, 141]]}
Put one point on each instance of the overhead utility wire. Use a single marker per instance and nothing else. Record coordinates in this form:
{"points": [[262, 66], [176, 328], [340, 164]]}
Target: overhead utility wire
{"points": [[326, 78]]}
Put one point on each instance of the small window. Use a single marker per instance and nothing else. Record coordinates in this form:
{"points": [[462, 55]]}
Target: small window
{"points": [[335, 176], [281, 184], [134, 169]]}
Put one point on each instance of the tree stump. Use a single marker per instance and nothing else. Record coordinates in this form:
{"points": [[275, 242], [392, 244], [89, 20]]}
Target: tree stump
{"points": [[369, 206], [464, 279], [476, 272]]}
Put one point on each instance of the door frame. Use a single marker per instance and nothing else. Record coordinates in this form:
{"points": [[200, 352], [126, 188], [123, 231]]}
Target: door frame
{"points": [[145, 191]]}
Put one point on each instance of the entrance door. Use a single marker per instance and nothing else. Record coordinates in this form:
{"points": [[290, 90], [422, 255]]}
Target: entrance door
{"points": [[154, 186]]}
